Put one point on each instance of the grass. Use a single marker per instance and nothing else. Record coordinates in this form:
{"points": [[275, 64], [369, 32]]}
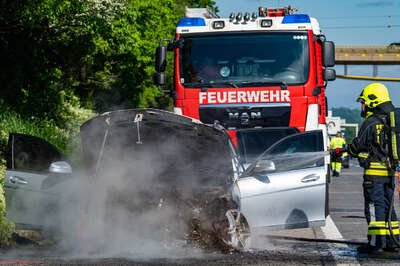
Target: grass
{"points": [[13, 122]]}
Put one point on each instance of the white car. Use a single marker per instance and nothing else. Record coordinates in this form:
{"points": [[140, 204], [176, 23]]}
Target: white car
{"points": [[285, 188]]}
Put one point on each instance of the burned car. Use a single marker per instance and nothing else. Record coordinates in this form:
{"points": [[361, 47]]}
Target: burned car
{"points": [[169, 162], [171, 174], [140, 161]]}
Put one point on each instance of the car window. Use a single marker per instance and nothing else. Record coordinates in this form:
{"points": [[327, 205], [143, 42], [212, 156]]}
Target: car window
{"points": [[295, 152], [29, 153], [253, 142], [297, 161], [311, 141]]}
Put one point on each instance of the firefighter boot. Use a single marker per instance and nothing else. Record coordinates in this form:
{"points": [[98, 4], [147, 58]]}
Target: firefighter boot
{"points": [[368, 249]]}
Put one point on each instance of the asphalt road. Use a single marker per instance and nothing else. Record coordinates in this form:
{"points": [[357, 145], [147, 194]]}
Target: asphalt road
{"points": [[330, 245]]}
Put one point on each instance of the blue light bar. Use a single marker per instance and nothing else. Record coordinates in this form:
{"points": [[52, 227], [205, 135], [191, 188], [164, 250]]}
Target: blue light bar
{"points": [[296, 18], [191, 22]]}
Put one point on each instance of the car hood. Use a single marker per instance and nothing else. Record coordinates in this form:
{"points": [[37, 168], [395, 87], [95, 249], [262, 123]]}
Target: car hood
{"points": [[158, 146]]}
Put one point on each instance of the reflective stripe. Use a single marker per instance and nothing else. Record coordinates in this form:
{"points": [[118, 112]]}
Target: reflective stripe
{"points": [[383, 223], [394, 141], [382, 228], [378, 164], [362, 155], [378, 132], [396, 223], [378, 228], [378, 167], [383, 232], [378, 172]]}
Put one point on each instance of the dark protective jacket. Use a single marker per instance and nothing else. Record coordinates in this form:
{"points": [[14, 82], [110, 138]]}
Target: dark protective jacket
{"points": [[371, 147]]}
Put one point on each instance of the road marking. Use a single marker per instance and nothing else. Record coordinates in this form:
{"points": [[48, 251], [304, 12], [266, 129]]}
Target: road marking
{"points": [[331, 232]]}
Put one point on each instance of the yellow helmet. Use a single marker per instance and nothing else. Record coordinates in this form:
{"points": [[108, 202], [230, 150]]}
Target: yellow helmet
{"points": [[374, 94]]}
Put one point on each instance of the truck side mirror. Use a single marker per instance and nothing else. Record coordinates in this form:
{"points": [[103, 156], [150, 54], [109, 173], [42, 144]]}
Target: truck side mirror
{"points": [[329, 74], [328, 54], [161, 58], [159, 78]]}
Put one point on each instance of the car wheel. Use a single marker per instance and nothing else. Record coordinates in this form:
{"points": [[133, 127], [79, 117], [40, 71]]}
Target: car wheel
{"points": [[237, 233]]}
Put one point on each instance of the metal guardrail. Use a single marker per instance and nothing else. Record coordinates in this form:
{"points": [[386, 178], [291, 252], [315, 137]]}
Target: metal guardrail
{"points": [[367, 55], [368, 78]]}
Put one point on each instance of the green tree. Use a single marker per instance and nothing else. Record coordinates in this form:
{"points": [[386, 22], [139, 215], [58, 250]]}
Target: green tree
{"points": [[42, 46], [100, 51]]}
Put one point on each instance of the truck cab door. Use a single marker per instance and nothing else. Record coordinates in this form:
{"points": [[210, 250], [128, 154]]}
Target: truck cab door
{"points": [[286, 187], [31, 201]]}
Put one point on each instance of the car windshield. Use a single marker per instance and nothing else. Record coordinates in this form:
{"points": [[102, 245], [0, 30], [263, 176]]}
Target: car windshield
{"points": [[242, 60]]}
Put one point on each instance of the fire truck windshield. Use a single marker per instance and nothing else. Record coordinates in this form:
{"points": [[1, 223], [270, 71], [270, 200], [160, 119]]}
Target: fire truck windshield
{"points": [[244, 59]]}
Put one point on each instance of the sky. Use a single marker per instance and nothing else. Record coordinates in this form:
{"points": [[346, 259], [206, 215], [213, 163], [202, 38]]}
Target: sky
{"points": [[345, 22]]}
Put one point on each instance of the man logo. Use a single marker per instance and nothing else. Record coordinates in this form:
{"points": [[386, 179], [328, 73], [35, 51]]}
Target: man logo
{"points": [[244, 117]]}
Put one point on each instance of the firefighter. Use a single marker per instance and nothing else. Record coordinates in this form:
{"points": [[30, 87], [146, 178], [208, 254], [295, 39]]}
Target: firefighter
{"points": [[337, 147], [371, 148]]}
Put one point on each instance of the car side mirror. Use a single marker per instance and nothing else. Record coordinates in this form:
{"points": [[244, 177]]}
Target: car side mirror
{"points": [[60, 167], [265, 166]]}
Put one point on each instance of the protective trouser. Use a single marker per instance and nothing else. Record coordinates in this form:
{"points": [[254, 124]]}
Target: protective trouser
{"points": [[336, 162], [378, 192], [337, 166]]}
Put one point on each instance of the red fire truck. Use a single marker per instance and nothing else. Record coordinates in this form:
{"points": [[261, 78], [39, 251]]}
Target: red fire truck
{"points": [[260, 74]]}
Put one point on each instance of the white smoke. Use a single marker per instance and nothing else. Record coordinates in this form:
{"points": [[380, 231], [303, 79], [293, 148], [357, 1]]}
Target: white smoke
{"points": [[122, 212], [139, 201]]}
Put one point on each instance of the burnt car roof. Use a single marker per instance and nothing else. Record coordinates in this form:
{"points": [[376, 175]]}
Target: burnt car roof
{"points": [[177, 149]]}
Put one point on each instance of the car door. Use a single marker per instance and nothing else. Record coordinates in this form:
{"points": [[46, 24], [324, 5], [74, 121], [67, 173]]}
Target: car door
{"points": [[286, 187], [30, 200]]}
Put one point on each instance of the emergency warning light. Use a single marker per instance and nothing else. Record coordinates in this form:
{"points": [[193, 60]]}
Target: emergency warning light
{"points": [[296, 18], [191, 22]]}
